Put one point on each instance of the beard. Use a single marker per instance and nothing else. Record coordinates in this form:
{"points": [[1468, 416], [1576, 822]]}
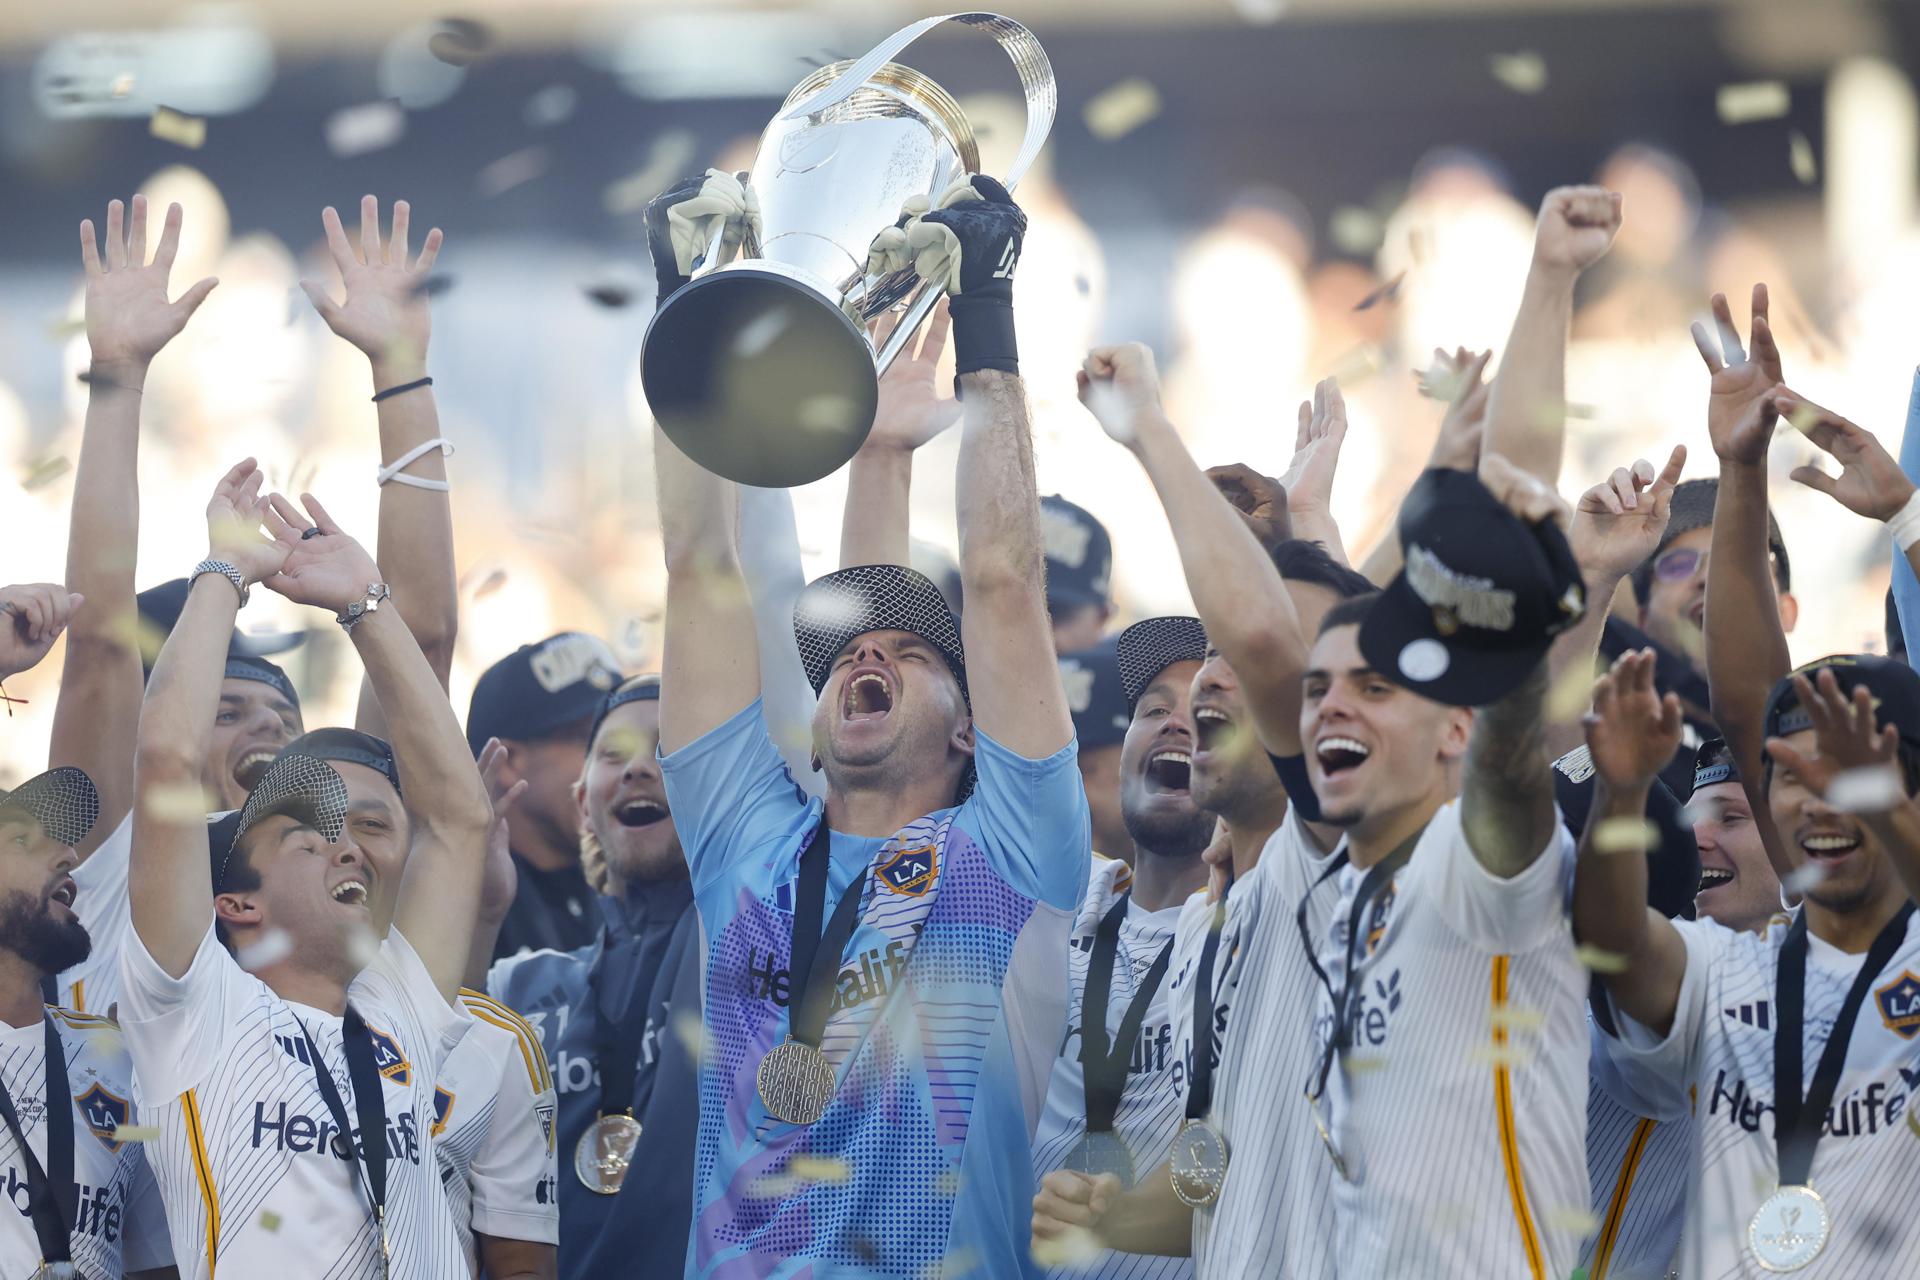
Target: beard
{"points": [[49, 945], [1171, 835]]}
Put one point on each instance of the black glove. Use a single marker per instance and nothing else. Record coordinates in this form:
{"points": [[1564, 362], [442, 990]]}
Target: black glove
{"points": [[667, 275], [986, 230]]}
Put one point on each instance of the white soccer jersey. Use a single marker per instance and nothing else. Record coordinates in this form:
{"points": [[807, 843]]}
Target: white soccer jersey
{"points": [[93, 985], [119, 1225], [1460, 1110], [1867, 1164], [1272, 1217], [1148, 1112], [1639, 1169], [251, 1164], [493, 1115]]}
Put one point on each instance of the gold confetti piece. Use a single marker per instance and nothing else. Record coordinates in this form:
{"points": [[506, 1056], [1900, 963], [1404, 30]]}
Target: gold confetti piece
{"points": [[460, 42], [818, 1168], [1913, 1120], [44, 472], [671, 152], [1522, 72], [123, 84], [1804, 877], [178, 128], [511, 170], [274, 946], [1355, 365], [1360, 1064], [1355, 230], [1599, 961], [1118, 110], [1873, 789], [1075, 1247], [1753, 100], [1575, 1220], [182, 802], [137, 1133], [1511, 1056], [354, 131], [62, 327], [1625, 835], [1800, 157], [1387, 292], [1804, 417], [269, 1220], [1514, 1018], [1569, 695], [691, 1032]]}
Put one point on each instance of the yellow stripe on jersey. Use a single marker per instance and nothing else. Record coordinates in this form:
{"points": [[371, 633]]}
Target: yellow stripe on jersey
{"points": [[487, 1009], [80, 1021], [1509, 1142], [80, 994], [203, 1173], [1617, 1207]]}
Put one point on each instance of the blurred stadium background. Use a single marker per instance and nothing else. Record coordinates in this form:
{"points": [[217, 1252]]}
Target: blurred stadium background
{"points": [[1267, 191]]}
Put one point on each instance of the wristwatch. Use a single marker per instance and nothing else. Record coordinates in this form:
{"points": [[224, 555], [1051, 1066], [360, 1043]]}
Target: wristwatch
{"points": [[225, 570], [350, 617]]}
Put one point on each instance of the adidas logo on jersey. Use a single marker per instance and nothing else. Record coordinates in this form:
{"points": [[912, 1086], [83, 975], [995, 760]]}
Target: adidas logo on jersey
{"points": [[99, 1213], [1754, 1015], [303, 1133]]}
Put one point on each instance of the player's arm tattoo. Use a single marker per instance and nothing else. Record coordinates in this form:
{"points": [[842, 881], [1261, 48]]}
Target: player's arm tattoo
{"points": [[1507, 797]]}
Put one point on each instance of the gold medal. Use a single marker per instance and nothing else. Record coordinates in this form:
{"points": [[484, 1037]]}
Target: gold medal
{"points": [[796, 1082], [601, 1157], [1789, 1229], [1198, 1165]]}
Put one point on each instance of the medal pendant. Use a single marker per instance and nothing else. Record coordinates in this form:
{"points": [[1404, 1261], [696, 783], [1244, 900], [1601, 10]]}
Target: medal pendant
{"points": [[1102, 1151], [604, 1152], [1789, 1229], [1326, 1140], [1198, 1165], [796, 1082], [57, 1271]]}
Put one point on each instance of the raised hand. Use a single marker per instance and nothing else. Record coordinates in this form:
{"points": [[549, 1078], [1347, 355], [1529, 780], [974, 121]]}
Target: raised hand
{"points": [[1740, 407], [233, 524], [128, 316], [385, 312], [322, 565], [1845, 739], [1460, 380], [911, 410], [501, 883], [1576, 227], [1308, 481], [1117, 383], [1633, 729], [1618, 522], [1870, 482], [31, 619]]}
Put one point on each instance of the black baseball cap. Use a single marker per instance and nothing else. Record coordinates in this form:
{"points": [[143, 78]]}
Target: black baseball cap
{"points": [[159, 609], [539, 689], [1096, 696], [347, 746], [1480, 600], [242, 666], [833, 609], [297, 786], [1692, 508], [635, 689], [63, 801], [1079, 555], [1713, 764], [1673, 860], [1895, 687], [1147, 648]]}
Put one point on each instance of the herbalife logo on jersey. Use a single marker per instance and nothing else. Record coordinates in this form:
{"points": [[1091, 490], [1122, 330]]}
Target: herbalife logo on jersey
{"points": [[872, 977], [1863, 1112], [285, 1130], [99, 1207]]}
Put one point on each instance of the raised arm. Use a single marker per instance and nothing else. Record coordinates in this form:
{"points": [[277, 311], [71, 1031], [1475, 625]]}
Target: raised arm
{"points": [[1870, 483], [168, 882], [32, 616], [129, 320], [1460, 380], [1248, 614], [1631, 733], [385, 315], [873, 529], [1316, 458], [710, 661], [440, 893], [1527, 414]]}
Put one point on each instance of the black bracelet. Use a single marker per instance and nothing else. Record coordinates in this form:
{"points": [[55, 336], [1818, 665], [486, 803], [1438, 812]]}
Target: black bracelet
{"points": [[378, 396]]}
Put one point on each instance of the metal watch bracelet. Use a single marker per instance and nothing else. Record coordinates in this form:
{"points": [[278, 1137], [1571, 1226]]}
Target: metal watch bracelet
{"points": [[230, 572]]}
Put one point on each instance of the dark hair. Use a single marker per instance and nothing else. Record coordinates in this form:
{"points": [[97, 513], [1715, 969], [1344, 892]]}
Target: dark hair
{"points": [[1350, 612], [1299, 560], [238, 876]]}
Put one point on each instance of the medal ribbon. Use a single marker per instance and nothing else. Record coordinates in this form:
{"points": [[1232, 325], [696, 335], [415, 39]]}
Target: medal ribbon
{"points": [[1103, 1066], [1796, 1120], [51, 1194], [1200, 1085], [369, 1156], [814, 953], [1346, 1003], [617, 1033]]}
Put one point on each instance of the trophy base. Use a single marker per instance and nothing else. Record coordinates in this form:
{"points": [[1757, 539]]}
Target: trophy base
{"points": [[758, 378]]}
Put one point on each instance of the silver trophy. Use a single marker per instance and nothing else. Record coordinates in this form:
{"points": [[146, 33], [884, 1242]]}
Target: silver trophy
{"points": [[761, 369]]}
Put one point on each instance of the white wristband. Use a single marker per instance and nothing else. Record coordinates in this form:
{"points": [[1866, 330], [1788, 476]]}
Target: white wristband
{"points": [[1904, 524], [392, 470]]}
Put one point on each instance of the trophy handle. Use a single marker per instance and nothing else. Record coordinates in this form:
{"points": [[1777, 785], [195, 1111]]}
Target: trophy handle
{"points": [[1043, 100]]}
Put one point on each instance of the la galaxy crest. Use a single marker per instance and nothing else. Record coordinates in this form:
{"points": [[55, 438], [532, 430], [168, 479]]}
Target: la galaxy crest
{"points": [[387, 1057], [1899, 1003], [910, 871], [104, 1112]]}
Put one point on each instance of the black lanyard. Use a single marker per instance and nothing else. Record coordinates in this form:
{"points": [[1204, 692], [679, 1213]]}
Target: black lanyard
{"points": [[50, 1192], [368, 1101], [617, 1033], [1796, 1120], [1103, 1066], [1346, 1001], [816, 954], [1200, 1085]]}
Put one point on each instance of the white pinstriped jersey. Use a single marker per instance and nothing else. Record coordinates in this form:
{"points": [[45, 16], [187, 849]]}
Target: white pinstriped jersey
{"points": [[1148, 1112], [1273, 1214], [1639, 1169], [254, 1171], [119, 1223], [100, 900], [1461, 1108], [493, 1112], [1867, 1164]]}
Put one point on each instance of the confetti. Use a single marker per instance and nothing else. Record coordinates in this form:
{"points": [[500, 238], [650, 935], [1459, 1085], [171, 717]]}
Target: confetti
{"points": [[1575, 1220], [1355, 365], [1625, 835], [1802, 878], [611, 296], [1569, 695], [1800, 157], [44, 472], [1355, 230], [269, 1220], [460, 43], [62, 327], [1514, 1018], [552, 105], [691, 1032], [433, 285], [511, 170], [759, 333], [826, 413], [1511, 1056], [669, 155], [1388, 292], [1522, 72], [178, 128], [1260, 12], [1118, 110], [1872, 789], [490, 584], [1600, 961], [136, 1133], [274, 946], [1694, 813], [1360, 1064], [362, 947], [354, 131], [1913, 1120], [1074, 1247], [183, 802], [1753, 100]]}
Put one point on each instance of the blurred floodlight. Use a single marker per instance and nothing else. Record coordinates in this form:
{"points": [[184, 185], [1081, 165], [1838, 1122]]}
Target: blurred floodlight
{"points": [[412, 75], [742, 54], [214, 64]]}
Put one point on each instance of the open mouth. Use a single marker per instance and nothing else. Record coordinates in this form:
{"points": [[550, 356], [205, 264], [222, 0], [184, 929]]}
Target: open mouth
{"points": [[639, 813], [1697, 614], [253, 766], [1210, 727], [1829, 848], [64, 893], [1170, 770], [868, 697], [1338, 755], [1713, 878], [351, 892]]}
